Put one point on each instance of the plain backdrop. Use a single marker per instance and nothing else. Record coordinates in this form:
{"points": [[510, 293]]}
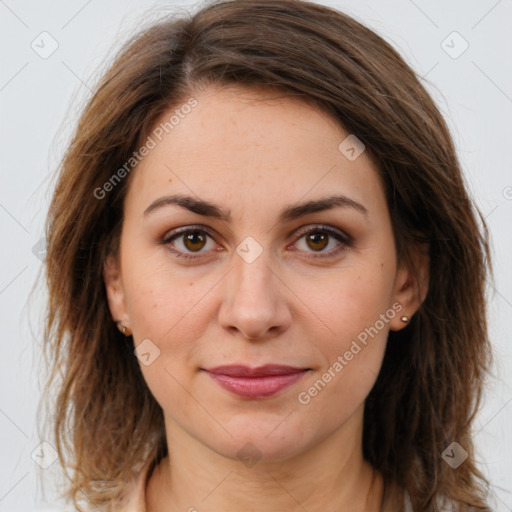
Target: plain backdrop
{"points": [[50, 54]]}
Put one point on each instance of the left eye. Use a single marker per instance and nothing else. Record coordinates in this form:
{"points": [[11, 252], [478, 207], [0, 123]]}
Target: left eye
{"points": [[317, 239]]}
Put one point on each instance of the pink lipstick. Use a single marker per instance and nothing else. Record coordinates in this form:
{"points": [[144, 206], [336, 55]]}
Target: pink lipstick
{"points": [[263, 381]]}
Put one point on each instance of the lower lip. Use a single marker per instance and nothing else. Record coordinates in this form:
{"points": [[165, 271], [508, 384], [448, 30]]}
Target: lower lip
{"points": [[256, 387]]}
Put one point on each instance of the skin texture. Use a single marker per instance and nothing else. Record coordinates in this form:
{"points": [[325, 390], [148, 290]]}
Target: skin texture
{"points": [[253, 153]]}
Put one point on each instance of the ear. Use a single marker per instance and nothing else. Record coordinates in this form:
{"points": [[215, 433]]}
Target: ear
{"points": [[115, 291], [411, 284]]}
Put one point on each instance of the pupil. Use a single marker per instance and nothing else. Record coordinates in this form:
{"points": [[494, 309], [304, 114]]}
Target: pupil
{"points": [[191, 236], [319, 238]]}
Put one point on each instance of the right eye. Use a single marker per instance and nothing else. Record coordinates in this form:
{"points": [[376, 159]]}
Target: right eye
{"points": [[192, 240]]}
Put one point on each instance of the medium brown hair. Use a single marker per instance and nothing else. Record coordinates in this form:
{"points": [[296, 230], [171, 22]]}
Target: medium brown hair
{"points": [[105, 420]]}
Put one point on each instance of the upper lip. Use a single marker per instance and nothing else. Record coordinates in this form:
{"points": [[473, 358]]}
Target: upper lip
{"points": [[260, 371]]}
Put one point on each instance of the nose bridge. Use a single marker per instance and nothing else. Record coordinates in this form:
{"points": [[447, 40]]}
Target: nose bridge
{"points": [[253, 302], [252, 270]]}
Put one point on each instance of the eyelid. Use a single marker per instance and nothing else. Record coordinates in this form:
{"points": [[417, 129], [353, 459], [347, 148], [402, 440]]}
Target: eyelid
{"points": [[323, 227], [185, 229]]}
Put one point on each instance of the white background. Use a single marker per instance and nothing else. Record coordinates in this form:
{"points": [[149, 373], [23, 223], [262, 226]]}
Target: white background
{"points": [[39, 99]]}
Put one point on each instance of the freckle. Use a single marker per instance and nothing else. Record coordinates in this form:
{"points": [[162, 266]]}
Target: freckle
{"points": [[155, 305]]}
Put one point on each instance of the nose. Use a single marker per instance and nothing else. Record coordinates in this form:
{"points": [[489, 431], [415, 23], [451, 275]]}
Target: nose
{"points": [[255, 300]]}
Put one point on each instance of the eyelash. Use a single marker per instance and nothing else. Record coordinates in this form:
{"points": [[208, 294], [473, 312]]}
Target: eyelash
{"points": [[345, 241]]}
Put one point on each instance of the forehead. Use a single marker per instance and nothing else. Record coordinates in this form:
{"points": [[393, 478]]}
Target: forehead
{"points": [[241, 142]]}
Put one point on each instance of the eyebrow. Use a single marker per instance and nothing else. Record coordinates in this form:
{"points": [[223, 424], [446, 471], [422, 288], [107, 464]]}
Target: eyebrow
{"points": [[290, 213]]}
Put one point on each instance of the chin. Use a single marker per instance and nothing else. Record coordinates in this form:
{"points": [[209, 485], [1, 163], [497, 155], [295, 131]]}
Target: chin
{"points": [[251, 444]]}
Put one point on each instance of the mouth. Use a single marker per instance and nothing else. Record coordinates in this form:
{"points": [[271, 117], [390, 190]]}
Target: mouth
{"points": [[261, 382]]}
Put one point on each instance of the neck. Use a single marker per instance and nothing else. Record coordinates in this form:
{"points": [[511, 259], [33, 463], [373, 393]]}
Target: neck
{"points": [[330, 476]]}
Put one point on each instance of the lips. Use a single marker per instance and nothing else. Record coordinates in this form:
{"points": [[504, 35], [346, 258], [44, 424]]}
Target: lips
{"points": [[263, 381], [260, 371]]}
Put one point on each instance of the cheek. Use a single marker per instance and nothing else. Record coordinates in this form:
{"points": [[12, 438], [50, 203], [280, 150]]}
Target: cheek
{"points": [[162, 302], [350, 303], [351, 363], [356, 312], [168, 311]]}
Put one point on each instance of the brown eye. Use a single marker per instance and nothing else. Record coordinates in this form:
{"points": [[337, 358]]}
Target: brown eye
{"points": [[194, 240], [317, 240], [189, 243]]}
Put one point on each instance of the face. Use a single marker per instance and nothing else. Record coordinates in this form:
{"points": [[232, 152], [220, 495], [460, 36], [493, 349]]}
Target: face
{"points": [[243, 283]]}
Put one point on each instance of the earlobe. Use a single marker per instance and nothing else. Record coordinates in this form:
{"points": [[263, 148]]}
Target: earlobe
{"points": [[411, 286], [114, 290]]}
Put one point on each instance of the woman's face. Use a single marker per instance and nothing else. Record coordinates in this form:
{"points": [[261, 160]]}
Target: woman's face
{"points": [[256, 278]]}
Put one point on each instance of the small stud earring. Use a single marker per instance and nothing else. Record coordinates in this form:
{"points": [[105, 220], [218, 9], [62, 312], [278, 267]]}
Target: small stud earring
{"points": [[405, 319], [125, 330]]}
